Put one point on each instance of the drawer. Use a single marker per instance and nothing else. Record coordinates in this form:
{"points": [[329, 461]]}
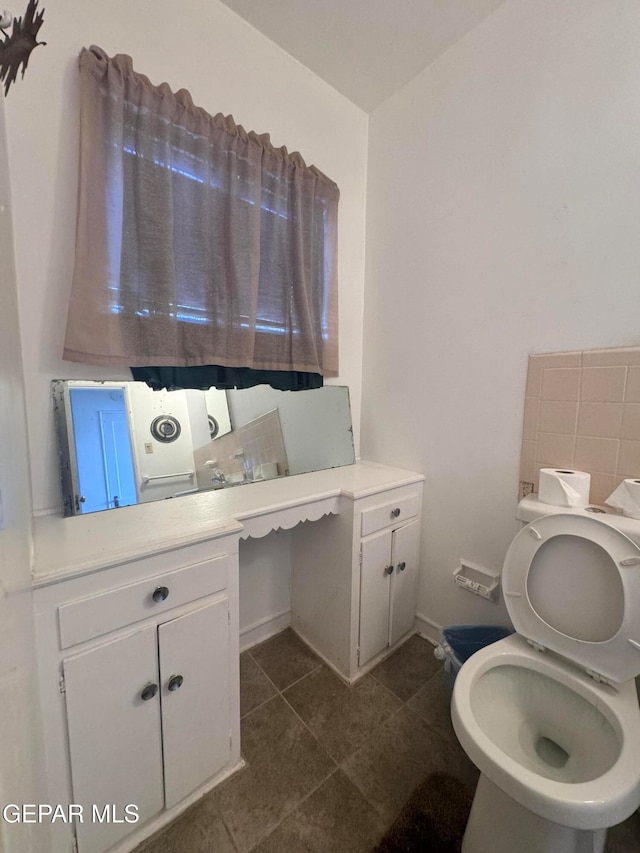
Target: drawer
{"points": [[99, 614], [388, 514]]}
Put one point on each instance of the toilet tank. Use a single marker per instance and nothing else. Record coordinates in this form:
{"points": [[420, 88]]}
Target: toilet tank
{"points": [[530, 509]]}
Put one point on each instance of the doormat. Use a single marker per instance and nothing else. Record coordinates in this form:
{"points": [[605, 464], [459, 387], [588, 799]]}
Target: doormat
{"points": [[434, 819]]}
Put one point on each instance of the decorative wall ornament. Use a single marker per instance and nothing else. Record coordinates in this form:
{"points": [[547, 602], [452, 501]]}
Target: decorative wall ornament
{"points": [[165, 428], [16, 48], [214, 426]]}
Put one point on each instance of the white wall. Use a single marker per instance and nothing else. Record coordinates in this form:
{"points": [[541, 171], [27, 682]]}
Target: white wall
{"points": [[228, 67], [316, 425], [265, 586], [503, 218], [18, 702], [171, 458]]}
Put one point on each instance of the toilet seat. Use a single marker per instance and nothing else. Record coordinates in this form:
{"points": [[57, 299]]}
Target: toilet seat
{"points": [[572, 585]]}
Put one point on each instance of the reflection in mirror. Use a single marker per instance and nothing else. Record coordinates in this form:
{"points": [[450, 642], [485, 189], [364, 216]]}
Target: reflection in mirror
{"points": [[122, 443]]}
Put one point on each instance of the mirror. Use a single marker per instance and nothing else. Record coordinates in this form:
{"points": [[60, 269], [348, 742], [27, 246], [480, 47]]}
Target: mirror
{"points": [[122, 443]]}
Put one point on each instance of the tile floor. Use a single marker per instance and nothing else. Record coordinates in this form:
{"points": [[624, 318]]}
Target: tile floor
{"points": [[330, 766]]}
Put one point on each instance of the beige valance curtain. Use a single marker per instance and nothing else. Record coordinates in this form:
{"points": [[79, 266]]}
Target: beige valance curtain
{"points": [[197, 243]]}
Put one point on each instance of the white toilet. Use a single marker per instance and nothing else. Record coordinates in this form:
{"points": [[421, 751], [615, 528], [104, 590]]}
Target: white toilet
{"points": [[550, 714]]}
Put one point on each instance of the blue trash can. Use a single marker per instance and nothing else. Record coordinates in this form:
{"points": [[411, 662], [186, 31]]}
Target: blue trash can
{"points": [[459, 642]]}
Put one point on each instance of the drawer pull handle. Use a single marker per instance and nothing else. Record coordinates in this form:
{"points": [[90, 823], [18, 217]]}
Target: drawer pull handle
{"points": [[388, 570], [402, 566], [160, 593], [175, 682], [395, 512], [149, 692]]}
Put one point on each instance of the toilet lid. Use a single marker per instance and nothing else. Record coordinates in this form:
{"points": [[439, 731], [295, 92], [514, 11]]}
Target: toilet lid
{"points": [[572, 585]]}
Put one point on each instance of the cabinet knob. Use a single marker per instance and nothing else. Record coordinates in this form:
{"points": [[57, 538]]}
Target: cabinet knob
{"points": [[388, 570], [160, 593], [395, 512], [175, 682], [402, 566], [149, 692]]}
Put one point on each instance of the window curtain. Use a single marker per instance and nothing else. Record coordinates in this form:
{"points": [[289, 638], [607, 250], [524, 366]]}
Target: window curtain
{"points": [[213, 376], [197, 243]]}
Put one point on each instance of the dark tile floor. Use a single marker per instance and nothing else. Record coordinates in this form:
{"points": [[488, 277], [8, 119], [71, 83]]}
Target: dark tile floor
{"points": [[330, 766]]}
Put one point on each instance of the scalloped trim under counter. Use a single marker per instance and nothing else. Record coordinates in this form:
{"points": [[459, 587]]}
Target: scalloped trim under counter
{"points": [[68, 547]]}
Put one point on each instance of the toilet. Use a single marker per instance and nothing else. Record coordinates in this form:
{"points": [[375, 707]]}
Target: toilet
{"points": [[550, 714]]}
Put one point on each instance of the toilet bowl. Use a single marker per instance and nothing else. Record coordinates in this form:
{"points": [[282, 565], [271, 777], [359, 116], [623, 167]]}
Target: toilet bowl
{"points": [[550, 714]]}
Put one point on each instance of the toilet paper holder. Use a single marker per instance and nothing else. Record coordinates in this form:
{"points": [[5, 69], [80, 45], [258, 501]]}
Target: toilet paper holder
{"points": [[477, 579]]}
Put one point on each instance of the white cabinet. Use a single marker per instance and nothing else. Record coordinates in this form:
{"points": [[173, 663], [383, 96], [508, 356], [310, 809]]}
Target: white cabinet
{"points": [[145, 708], [115, 740], [355, 575], [146, 713], [388, 588], [123, 608], [194, 696]]}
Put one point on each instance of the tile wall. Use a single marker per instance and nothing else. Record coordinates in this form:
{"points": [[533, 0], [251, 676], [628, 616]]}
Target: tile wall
{"points": [[582, 411], [261, 440]]}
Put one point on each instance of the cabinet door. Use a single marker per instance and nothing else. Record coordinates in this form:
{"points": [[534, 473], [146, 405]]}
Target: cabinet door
{"points": [[404, 556], [194, 674], [114, 735], [374, 595]]}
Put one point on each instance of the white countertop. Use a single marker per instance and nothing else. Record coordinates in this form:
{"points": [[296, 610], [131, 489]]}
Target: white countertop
{"points": [[64, 547]]}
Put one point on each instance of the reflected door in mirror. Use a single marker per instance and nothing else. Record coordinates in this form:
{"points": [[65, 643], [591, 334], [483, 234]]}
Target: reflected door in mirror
{"points": [[104, 460]]}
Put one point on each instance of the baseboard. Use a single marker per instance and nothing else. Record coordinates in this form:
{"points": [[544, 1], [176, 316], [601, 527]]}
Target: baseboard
{"points": [[428, 629], [271, 625], [263, 629], [367, 667]]}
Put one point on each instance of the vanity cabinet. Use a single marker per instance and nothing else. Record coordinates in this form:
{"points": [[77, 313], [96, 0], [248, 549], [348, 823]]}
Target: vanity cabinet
{"points": [[388, 588], [355, 577], [140, 689], [115, 738], [138, 631], [146, 708]]}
